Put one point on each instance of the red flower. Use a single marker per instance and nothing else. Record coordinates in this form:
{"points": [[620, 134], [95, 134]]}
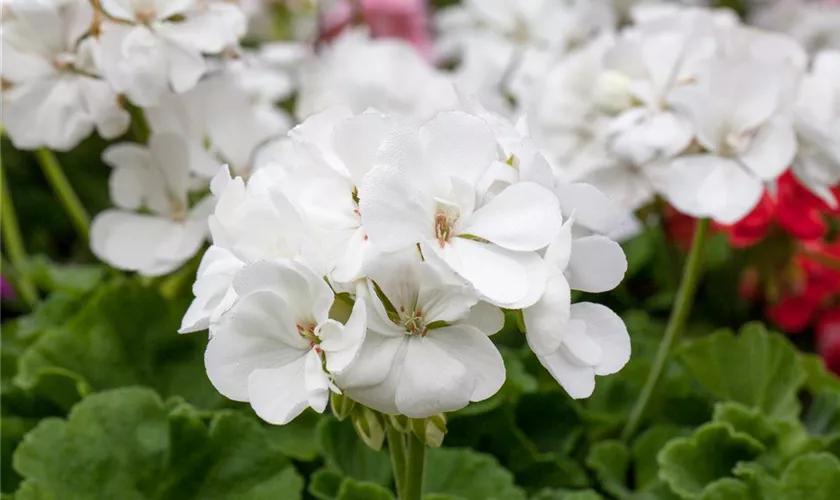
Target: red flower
{"points": [[828, 339], [794, 209]]}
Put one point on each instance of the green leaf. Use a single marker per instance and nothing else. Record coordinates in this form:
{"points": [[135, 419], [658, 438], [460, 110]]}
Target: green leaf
{"points": [[756, 368], [690, 464], [356, 490], [469, 475], [610, 460], [125, 335], [646, 448], [782, 439], [818, 377], [345, 453], [12, 431], [550, 421], [812, 477], [71, 278], [567, 495], [299, 438], [823, 417], [127, 444], [324, 484], [727, 489]]}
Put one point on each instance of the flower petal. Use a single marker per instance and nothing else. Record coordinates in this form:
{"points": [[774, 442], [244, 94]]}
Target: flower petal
{"points": [[477, 353], [607, 329], [456, 143], [545, 321], [431, 380], [597, 264], [278, 395], [523, 217]]}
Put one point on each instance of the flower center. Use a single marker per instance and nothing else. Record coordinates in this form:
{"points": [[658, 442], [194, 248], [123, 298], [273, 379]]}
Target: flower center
{"points": [[306, 329], [145, 15], [445, 220], [413, 322]]}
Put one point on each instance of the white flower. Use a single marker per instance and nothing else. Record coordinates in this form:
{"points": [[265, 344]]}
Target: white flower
{"points": [[52, 95], [221, 123], [338, 149], [734, 107], [815, 24], [385, 74], [212, 289], [817, 164], [422, 356], [155, 178], [155, 45], [277, 348], [495, 39], [581, 342], [425, 189]]}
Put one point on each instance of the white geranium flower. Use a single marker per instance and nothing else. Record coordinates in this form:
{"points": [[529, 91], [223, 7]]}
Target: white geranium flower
{"points": [[425, 189], [338, 149], [154, 178], [212, 289], [422, 356], [221, 122], [815, 24], [156, 45], [52, 95], [497, 39], [385, 74], [734, 107], [817, 164], [277, 348]]}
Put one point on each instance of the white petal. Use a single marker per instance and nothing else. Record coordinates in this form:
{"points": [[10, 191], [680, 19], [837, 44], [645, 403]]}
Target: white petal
{"points": [[592, 208], [395, 213], [341, 343], [185, 67], [559, 252], [317, 382], [431, 381], [498, 274], [607, 329], [278, 395], [306, 293], [523, 217], [546, 320], [121, 9], [486, 317], [456, 143], [577, 379], [213, 280], [258, 332], [710, 186], [477, 353], [597, 264], [357, 141], [772, 149], [377, 357], [387, 364], [584, 349]]}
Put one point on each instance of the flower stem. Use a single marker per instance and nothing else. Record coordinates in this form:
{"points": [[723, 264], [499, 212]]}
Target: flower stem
{"points": [[414, 470], [396, 447], [13, 241], [62, 188], [679, 315]]}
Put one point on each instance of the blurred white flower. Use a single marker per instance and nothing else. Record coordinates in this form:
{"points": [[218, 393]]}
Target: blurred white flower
{"points": [[154, 228], [152, 46], [735, 109], [221, 122], [385, 74], [817, 164], [52, 94], [277, 348]]}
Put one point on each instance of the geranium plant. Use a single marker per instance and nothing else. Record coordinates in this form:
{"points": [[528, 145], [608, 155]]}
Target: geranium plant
{"points": [[403, 250]]}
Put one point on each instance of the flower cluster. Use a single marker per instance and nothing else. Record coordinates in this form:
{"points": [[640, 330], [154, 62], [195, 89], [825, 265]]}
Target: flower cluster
{"points": [[430, 231]]}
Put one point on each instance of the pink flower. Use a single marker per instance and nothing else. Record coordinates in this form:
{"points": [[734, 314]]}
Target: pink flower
{"points": [[404, 19]]}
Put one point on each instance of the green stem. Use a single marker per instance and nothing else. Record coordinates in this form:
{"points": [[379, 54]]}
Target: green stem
{"points": [[679, 315], [62, 188], [396, 447], [13, 241], [415, 468]]}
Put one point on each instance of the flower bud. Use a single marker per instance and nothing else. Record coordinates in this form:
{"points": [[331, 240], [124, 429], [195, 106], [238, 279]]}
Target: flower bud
{"points": [[400, 422], [369, 425], [341, 405], [430, 430]]}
